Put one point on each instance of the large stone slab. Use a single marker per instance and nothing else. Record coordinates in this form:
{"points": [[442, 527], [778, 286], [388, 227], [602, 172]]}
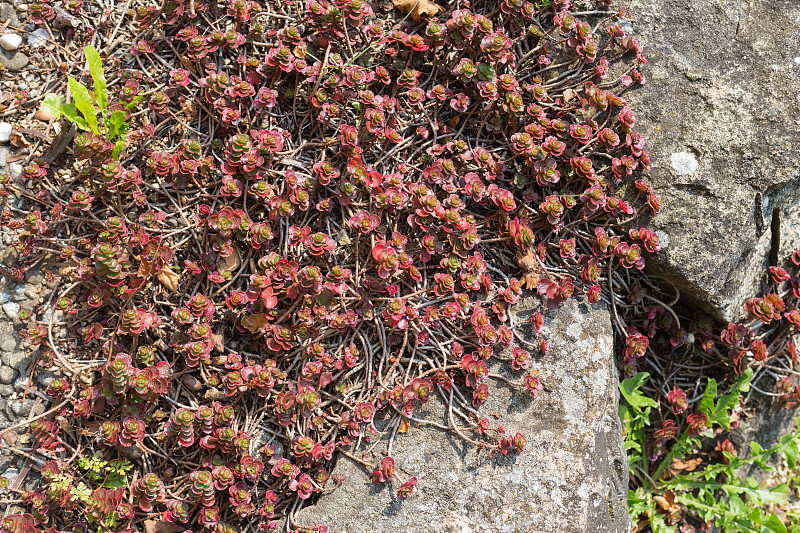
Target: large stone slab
{"points": [[573, 476], [720, 113]]}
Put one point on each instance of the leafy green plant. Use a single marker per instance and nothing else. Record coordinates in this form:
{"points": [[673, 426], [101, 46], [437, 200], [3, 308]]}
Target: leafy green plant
{"points": [[714, 494], [718, 496], [88, 112]]}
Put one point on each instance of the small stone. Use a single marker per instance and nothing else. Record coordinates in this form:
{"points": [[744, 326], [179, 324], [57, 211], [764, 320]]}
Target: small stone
{"points": [[6, 390], [8, 343], [13, 61], [5, 132], [7, 13], [7, 375], [21, 384], [11, 474], [9, 257], [11, 309], [43, 115], [14, 169], [21, 408], [44, 377], [10, 41], [38, 38]]}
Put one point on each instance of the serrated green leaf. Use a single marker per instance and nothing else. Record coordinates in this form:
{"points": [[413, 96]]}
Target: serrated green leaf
{"points": [[774, 524], [83, 102], [98, 76], [118, 147], [790, 449], [630, 391], [707, 403], [55, 105], [115, 124], [52, 104], [71, 112]]}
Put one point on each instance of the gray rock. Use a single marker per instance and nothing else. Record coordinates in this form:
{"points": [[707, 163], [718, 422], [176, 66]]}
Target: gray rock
{"points": [[6, 390], [11, 474], [44, 377], [11, 309], [14, 169], [7, 375], [38, 38], [719, 112], [9, 256], [13, 61], [8, 13], [573, 476], [7, 344], [21, 408]]}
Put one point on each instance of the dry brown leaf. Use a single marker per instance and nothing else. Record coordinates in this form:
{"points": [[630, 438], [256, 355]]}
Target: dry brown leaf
{"points": [[231, 262], [253, 323], [213, 394], [404, 425], [218, 344], [678, 466], [528, 262], [531, 280], [145, 269], [569, 94], [17, 140], [168, 278], [161, 526], [417, 8], [669, 505]]}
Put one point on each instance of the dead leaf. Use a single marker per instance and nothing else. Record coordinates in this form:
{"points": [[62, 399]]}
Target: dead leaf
{"points": [[417, 8], [231, 262], [214, 394], [533, 268], [404, 425], [669, 505], [678, 466], [17, 140], [569, 94], [188, 110], [145, 269], [161, 526], [168, 278], [253, 323], [218, 344]]}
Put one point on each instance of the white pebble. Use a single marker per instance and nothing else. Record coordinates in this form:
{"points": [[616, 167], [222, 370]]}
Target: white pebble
{"points": [[683, 163], [38, 38], [797, 60], [10, 41], [5, 132]]}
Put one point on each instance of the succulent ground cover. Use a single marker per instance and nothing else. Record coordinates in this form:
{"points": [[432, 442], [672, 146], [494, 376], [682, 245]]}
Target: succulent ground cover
{"points": [[283, 219]]}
